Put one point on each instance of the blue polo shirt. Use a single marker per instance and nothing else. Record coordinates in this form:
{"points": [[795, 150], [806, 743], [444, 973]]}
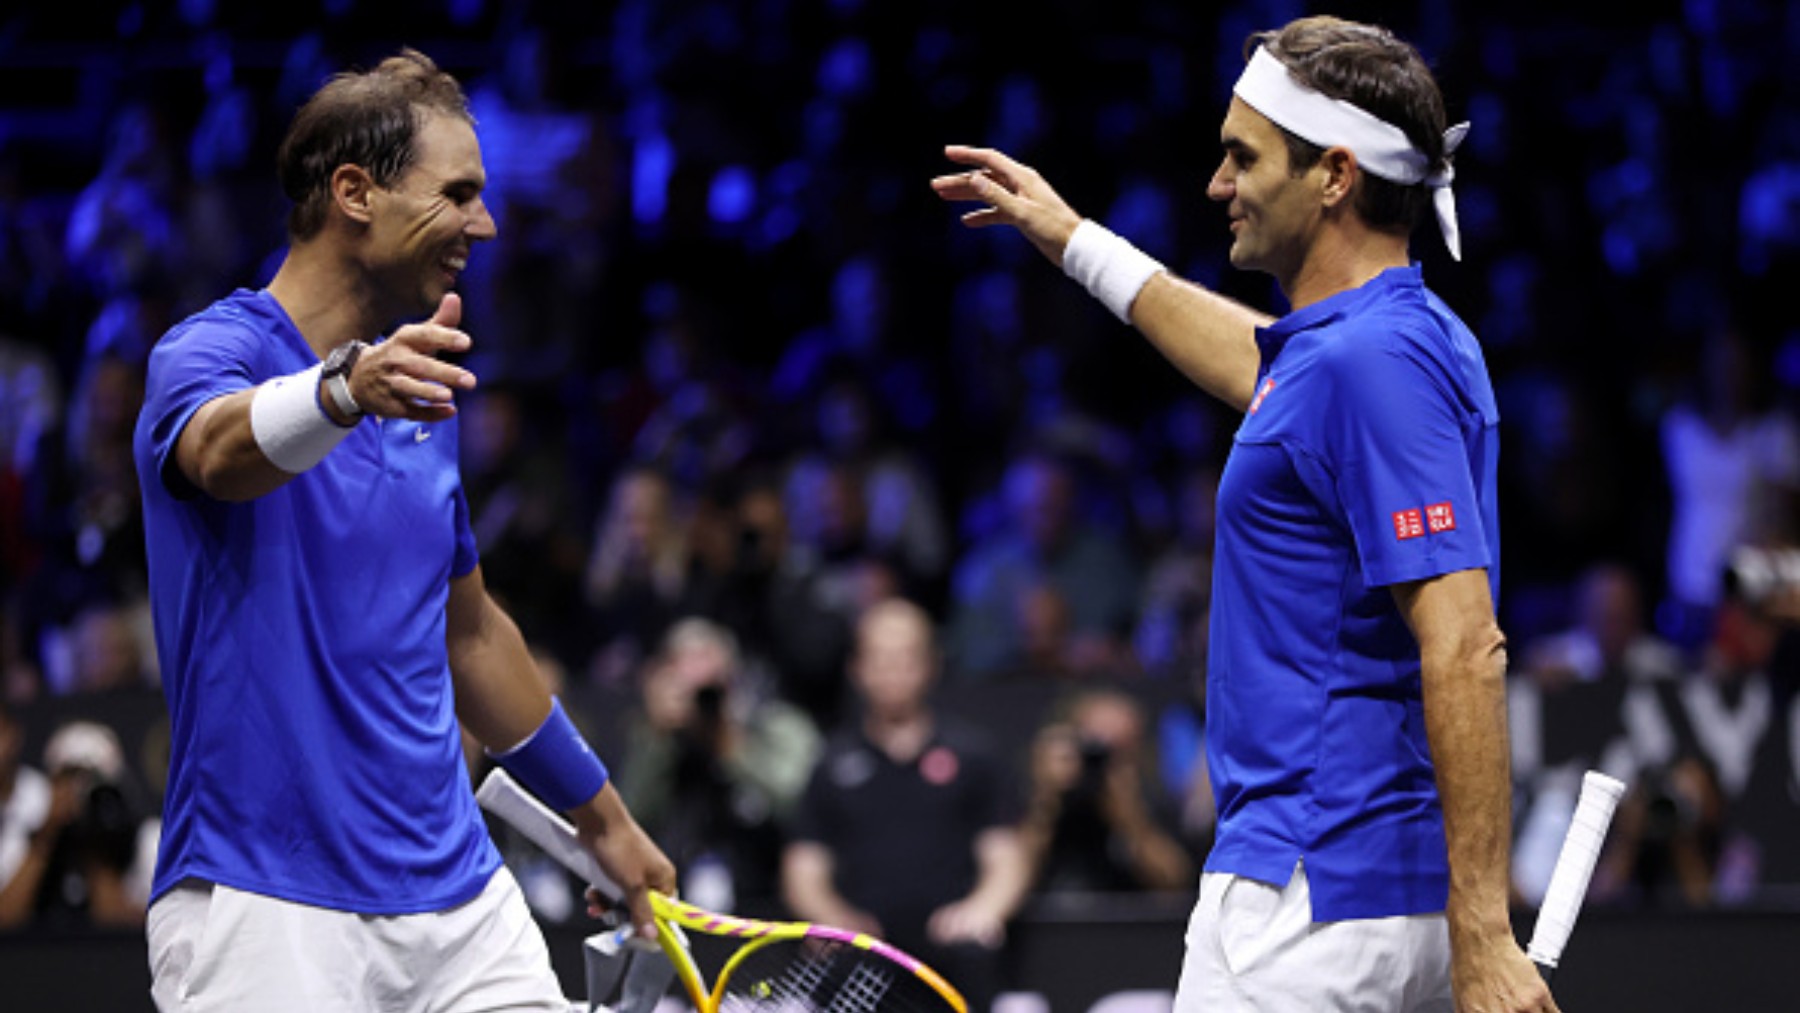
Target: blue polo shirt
{"points": [[316, 754], [1366, 459]]}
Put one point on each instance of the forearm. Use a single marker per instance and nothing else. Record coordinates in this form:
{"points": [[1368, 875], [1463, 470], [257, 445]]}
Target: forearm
{"points": [[1157, 862], [806, 885], [1465, 718], [1037, 831], [1003, 873], [1210, 338], [19, 895], [218, 452]]}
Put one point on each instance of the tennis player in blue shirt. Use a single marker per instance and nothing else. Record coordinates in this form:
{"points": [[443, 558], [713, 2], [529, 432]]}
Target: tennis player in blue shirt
{"points": [[319, 608], [1356, 718]]}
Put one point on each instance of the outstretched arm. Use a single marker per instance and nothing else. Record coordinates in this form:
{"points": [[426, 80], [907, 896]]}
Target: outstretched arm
{"points": [[222, 455], [1210, 338]]}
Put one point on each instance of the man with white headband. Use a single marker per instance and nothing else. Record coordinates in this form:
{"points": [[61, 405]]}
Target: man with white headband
{"points": [[1356, 721]]}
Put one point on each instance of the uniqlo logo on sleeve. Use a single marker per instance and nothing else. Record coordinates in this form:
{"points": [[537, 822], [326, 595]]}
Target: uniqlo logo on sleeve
{"points": [[1440, 518], [1408, 524]]}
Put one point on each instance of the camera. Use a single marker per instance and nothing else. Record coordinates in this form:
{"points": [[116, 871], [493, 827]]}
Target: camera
{"points": [[1755, 574], [1096, 757], [709, 703], [106, 829]]}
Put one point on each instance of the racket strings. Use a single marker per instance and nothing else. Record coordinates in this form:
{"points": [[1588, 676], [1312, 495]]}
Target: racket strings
{"points": [[863, 991], [815, 977], [792, 988]]}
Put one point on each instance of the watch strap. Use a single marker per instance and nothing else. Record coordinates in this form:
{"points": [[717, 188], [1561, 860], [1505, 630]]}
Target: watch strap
{"points": [[337, 378], [338, 388]]}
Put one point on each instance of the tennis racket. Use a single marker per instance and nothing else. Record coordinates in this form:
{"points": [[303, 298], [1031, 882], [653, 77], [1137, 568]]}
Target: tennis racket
{"points": [[1600, 796], [793, 967]]}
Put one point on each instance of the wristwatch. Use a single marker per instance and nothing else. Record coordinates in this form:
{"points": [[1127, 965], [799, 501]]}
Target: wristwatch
{"points": [[336, 377]]}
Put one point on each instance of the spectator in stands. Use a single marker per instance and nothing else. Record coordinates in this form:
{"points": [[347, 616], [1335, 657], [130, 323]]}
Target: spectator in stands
{"points": [[895, 509], [1098, 818], [908, 827], [1170, 638], [1045, 541], [1737, 716], [24, 807], [78, 864], [713, 764], [1598, 694], [525, 515], [122, 234], [108, 651], [639, 570], [1668, 839], [792, 607], [1733, 463]]}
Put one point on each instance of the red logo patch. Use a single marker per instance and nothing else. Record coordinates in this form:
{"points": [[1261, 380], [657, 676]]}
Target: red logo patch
{"points": [[1408, 524], [1268, 385], [939, 766], [1440, 518]]}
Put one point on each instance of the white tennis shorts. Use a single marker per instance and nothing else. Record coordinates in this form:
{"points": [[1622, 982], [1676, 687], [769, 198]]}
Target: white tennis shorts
{"points": [[1252, 946], [213, 948]]}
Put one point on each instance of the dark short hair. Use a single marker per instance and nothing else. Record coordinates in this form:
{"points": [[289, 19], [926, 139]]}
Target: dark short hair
{"points": [[366, 118], [1376, 71]]}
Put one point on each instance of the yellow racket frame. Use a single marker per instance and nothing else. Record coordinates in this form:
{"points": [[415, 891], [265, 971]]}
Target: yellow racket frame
{"points": [[674, 915]]}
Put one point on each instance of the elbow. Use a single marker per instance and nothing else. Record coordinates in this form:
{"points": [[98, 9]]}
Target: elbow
{"points": [[217, 482], [1479, 652], [225, 484]]}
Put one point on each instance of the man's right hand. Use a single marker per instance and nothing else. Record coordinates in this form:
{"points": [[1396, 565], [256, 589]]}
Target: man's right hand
{"points": [[403, 378], [627, 854], [1493, 975], [1015, 194]]}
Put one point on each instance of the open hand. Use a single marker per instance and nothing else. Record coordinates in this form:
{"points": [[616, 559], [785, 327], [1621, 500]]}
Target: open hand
{"points": [[1015, 195], [403, 378]]}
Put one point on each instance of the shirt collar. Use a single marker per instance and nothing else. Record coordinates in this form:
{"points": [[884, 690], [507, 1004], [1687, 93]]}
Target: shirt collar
{"points": [[1334, 307]]}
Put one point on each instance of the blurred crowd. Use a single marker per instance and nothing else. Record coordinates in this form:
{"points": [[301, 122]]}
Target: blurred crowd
{"points": [[745, 382]]}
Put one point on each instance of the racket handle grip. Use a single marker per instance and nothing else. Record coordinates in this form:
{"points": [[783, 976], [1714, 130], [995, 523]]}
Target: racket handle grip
{"points": [[1600, 795], [502, 796]]}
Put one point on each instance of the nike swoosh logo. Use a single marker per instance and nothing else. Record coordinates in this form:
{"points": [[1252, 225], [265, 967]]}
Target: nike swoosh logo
{"points": [[421, 434]]}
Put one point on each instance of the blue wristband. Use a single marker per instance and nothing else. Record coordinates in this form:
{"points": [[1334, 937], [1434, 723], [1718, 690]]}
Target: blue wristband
{"points": [[555, 762]]}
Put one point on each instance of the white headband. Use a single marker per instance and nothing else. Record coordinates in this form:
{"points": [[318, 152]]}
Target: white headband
{"points": [[1380, 147]]}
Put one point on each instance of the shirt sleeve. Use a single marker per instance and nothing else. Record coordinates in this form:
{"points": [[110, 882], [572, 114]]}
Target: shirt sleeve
{"points": [[193, 365], [1399, 445], [466, 553]]}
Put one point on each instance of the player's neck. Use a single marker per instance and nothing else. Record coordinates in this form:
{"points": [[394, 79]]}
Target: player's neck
{"points": [[902, 735], [1343, 258], [327, 300]]}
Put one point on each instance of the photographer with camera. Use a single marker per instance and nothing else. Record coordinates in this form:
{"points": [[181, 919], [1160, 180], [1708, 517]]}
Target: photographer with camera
{"points": [[1715, 821], [713, 765], [77, 865], [1097, 820]]}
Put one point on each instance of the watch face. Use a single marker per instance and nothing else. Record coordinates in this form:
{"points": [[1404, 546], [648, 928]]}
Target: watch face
{"points": [[341, 358]]}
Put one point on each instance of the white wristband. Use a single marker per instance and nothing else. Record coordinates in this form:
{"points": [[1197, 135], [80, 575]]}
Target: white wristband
{"points": [[1111, 269], [290, 426]]}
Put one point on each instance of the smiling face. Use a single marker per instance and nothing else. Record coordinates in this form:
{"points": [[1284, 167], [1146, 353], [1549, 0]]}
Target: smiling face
{"points": [[422, 228], [1275, 214]]}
